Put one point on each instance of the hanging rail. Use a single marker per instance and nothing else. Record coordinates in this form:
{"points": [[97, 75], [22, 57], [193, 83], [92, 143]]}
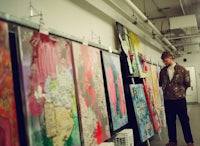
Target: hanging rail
{"points": [[32, 25]]}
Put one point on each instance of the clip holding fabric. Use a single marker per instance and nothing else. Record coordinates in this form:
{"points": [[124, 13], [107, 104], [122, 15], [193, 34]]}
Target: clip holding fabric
{"points": [[43, 27], [110, 49]]}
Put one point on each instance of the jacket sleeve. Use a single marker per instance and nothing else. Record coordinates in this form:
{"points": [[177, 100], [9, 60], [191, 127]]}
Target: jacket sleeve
{"points": [[186, 79]]}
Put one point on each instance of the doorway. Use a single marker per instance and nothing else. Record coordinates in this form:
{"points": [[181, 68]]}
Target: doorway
{"points": [[191, 94]]}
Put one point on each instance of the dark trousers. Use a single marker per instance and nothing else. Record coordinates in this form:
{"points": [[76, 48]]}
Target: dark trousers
{"points": [[173, 108]]}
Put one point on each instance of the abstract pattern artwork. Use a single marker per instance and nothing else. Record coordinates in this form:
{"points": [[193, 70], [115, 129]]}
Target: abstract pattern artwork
{"points": [[8, 118], [115, 90], [137, 53], [127, 48], [144, 122], [160, 88], [150, 96], [91, 95], [49, 92], [156, 121], [155, 84]]}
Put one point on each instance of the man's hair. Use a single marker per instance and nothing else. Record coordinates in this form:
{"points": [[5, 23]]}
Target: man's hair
{"points": [[167, 54]]}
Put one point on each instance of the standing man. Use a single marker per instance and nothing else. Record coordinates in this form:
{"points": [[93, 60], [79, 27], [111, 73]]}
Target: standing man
{"points": [[175, 80]]}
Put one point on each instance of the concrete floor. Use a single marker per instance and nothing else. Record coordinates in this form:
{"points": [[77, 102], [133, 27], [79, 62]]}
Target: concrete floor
{"points": [[194, 114]]}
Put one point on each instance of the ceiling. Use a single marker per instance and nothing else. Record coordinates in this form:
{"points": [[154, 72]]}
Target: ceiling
{"points": [[167, 8], [159, 12]]}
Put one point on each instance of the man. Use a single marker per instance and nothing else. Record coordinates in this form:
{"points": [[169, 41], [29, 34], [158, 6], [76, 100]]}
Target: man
{"points": [[175, 80]]}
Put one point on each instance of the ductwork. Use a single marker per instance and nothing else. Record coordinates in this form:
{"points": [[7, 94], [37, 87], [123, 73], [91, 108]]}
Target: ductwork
{"points": [[154, 29], [183, 22]]}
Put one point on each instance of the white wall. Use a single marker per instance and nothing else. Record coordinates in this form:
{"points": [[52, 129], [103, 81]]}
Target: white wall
{"points": [[151, 54], [77, 18], [192, 61], [70, 16]]}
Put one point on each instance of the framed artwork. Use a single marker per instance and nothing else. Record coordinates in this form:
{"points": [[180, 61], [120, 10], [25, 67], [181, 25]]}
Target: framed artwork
{"points": [[145, 126], [91, 94], [8, 117], [49, 92], [115, 89]]}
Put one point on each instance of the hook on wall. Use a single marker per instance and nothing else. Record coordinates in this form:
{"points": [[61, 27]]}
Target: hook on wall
{"points": [[33, 12]]}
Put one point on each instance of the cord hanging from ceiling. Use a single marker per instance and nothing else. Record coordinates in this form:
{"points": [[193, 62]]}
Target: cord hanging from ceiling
{"points": [[144, 3]]}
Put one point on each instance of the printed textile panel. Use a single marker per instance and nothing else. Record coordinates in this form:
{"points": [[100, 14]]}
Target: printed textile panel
{"points": [[144, 122], [155, 83], [127, 48], [8, 116], [91, 94], [49, 92], [115, 88], [137, 54], [151, 95], [154, 114]]}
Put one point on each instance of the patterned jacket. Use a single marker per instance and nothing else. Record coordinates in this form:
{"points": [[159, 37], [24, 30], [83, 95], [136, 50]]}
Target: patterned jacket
{"points": [[176, 88]]}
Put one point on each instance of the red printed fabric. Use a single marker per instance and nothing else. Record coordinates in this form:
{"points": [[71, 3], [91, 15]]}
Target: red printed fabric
{"points": [[48, 86], [153, 112], [90, 94], [8, 118]]}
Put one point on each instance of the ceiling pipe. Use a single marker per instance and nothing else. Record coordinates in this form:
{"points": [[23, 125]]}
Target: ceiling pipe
{"points": [[133, 20], [182, 8], [159, 18], [187, 44], [185, 36], [145, 19]]}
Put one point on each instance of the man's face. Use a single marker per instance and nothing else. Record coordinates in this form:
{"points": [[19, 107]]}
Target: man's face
{"points": [[168, 61]]}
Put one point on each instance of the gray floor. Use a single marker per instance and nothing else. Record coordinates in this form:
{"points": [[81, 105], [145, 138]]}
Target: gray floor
{"points": [[194, 114]]}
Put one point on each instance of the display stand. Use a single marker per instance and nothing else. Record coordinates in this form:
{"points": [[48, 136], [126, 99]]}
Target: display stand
{"points": [[127, 80]]}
